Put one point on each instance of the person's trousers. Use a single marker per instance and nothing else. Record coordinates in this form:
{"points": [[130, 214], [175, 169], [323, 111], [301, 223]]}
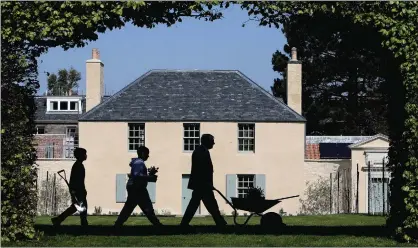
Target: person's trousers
{"points": [[140, 197], [211, 205], [72, 209]]}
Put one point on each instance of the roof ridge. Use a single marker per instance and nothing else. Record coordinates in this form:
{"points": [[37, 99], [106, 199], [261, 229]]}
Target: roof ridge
{"points": [[195, 70], [340, 135], [372, 138], [250, 81]]}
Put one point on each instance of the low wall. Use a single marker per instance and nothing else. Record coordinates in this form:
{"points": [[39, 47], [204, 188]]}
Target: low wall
{"points": [[53, 193], [314, 169], [322, 194]]}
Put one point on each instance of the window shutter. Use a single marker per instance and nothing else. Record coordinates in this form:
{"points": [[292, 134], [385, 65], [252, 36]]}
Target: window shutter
{"points": [[231, 186], [121, 188], [151, 187], [260, 181]]}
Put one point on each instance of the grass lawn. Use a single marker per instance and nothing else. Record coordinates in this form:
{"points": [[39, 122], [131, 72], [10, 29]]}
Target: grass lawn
{"points": [[328, 230]]}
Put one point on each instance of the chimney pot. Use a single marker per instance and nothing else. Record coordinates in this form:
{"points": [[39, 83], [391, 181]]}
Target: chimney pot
{"points": [[294, 54], [95, 53]]}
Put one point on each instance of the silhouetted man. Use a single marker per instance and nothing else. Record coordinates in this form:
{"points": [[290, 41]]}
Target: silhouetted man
{"points": [[201, 182], [137, 190], [77, 189]]}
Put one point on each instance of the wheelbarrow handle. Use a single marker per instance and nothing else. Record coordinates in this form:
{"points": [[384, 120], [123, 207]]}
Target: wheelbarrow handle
{"points": [[219, 192], [286, 198]]}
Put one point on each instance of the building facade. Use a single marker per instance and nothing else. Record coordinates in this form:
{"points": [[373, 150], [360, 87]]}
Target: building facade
{"points": [[260, 141]]}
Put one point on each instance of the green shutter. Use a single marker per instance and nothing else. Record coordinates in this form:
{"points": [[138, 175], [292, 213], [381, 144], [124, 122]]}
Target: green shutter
{"points": [[231, 186], [151, 187], [121, 188], [260, 181]]}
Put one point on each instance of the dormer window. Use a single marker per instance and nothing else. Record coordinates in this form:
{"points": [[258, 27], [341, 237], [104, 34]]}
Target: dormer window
{"points": [[74, 106], [64, 105], [54, 105]]}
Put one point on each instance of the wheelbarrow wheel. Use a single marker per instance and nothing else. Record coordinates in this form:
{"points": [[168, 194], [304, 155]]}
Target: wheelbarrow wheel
{"points": [[271, 221]]}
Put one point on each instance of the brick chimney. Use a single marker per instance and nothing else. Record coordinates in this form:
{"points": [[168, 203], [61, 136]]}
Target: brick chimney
{"points": [[294, 83], [94, 80]]}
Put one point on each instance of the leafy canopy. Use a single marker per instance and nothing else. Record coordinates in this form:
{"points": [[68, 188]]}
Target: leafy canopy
{"points": [[64, 83], [343, 77]]}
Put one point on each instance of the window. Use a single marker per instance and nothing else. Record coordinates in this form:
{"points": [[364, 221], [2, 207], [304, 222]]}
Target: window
{"points": [[191, 137], [244, 182], [63, 105], [54, 105], [246, 137], [40, 130], [136, 136], [72, 135], [73, 105]]}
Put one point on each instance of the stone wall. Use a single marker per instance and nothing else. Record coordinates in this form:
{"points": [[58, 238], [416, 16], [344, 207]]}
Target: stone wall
{"points": [[49, 146], [314, 169], [53, 192], [323, 194]]}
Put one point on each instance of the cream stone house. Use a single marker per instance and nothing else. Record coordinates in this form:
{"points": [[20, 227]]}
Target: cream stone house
{"points": [[260, 140]]}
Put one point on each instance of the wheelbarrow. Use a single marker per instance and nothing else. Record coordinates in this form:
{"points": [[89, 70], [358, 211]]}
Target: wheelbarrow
{"points": [[254, 206]]}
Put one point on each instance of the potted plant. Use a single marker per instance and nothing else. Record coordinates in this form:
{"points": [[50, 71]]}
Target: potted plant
{"points": [[152, 171], [255, 193]]}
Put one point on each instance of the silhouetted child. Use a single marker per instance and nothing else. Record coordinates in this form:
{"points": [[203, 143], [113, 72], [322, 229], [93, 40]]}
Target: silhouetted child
{"points": [[137, 190], [77, 188]]}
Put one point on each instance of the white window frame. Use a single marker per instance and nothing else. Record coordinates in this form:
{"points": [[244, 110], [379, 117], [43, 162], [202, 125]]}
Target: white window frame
{"points": [[140, 128], [79, 108], [194, 138], [50, 106], [246, 138], [241, 190], [62, 102], [37, 129]]}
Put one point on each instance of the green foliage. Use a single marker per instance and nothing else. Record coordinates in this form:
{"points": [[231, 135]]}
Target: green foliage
{"points": [[397, 22], [30, 29], [64, 84], [255, 193], [42, 25], [18, 173], [343, 74]]}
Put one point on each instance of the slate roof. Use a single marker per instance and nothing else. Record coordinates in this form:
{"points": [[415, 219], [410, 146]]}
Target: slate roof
{"points": [[41, 116], [193, 95], [312, 142], [377, 136]]}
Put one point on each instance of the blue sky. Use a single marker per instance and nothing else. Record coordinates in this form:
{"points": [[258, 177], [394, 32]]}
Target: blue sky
{"points": [[129, 52]]}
